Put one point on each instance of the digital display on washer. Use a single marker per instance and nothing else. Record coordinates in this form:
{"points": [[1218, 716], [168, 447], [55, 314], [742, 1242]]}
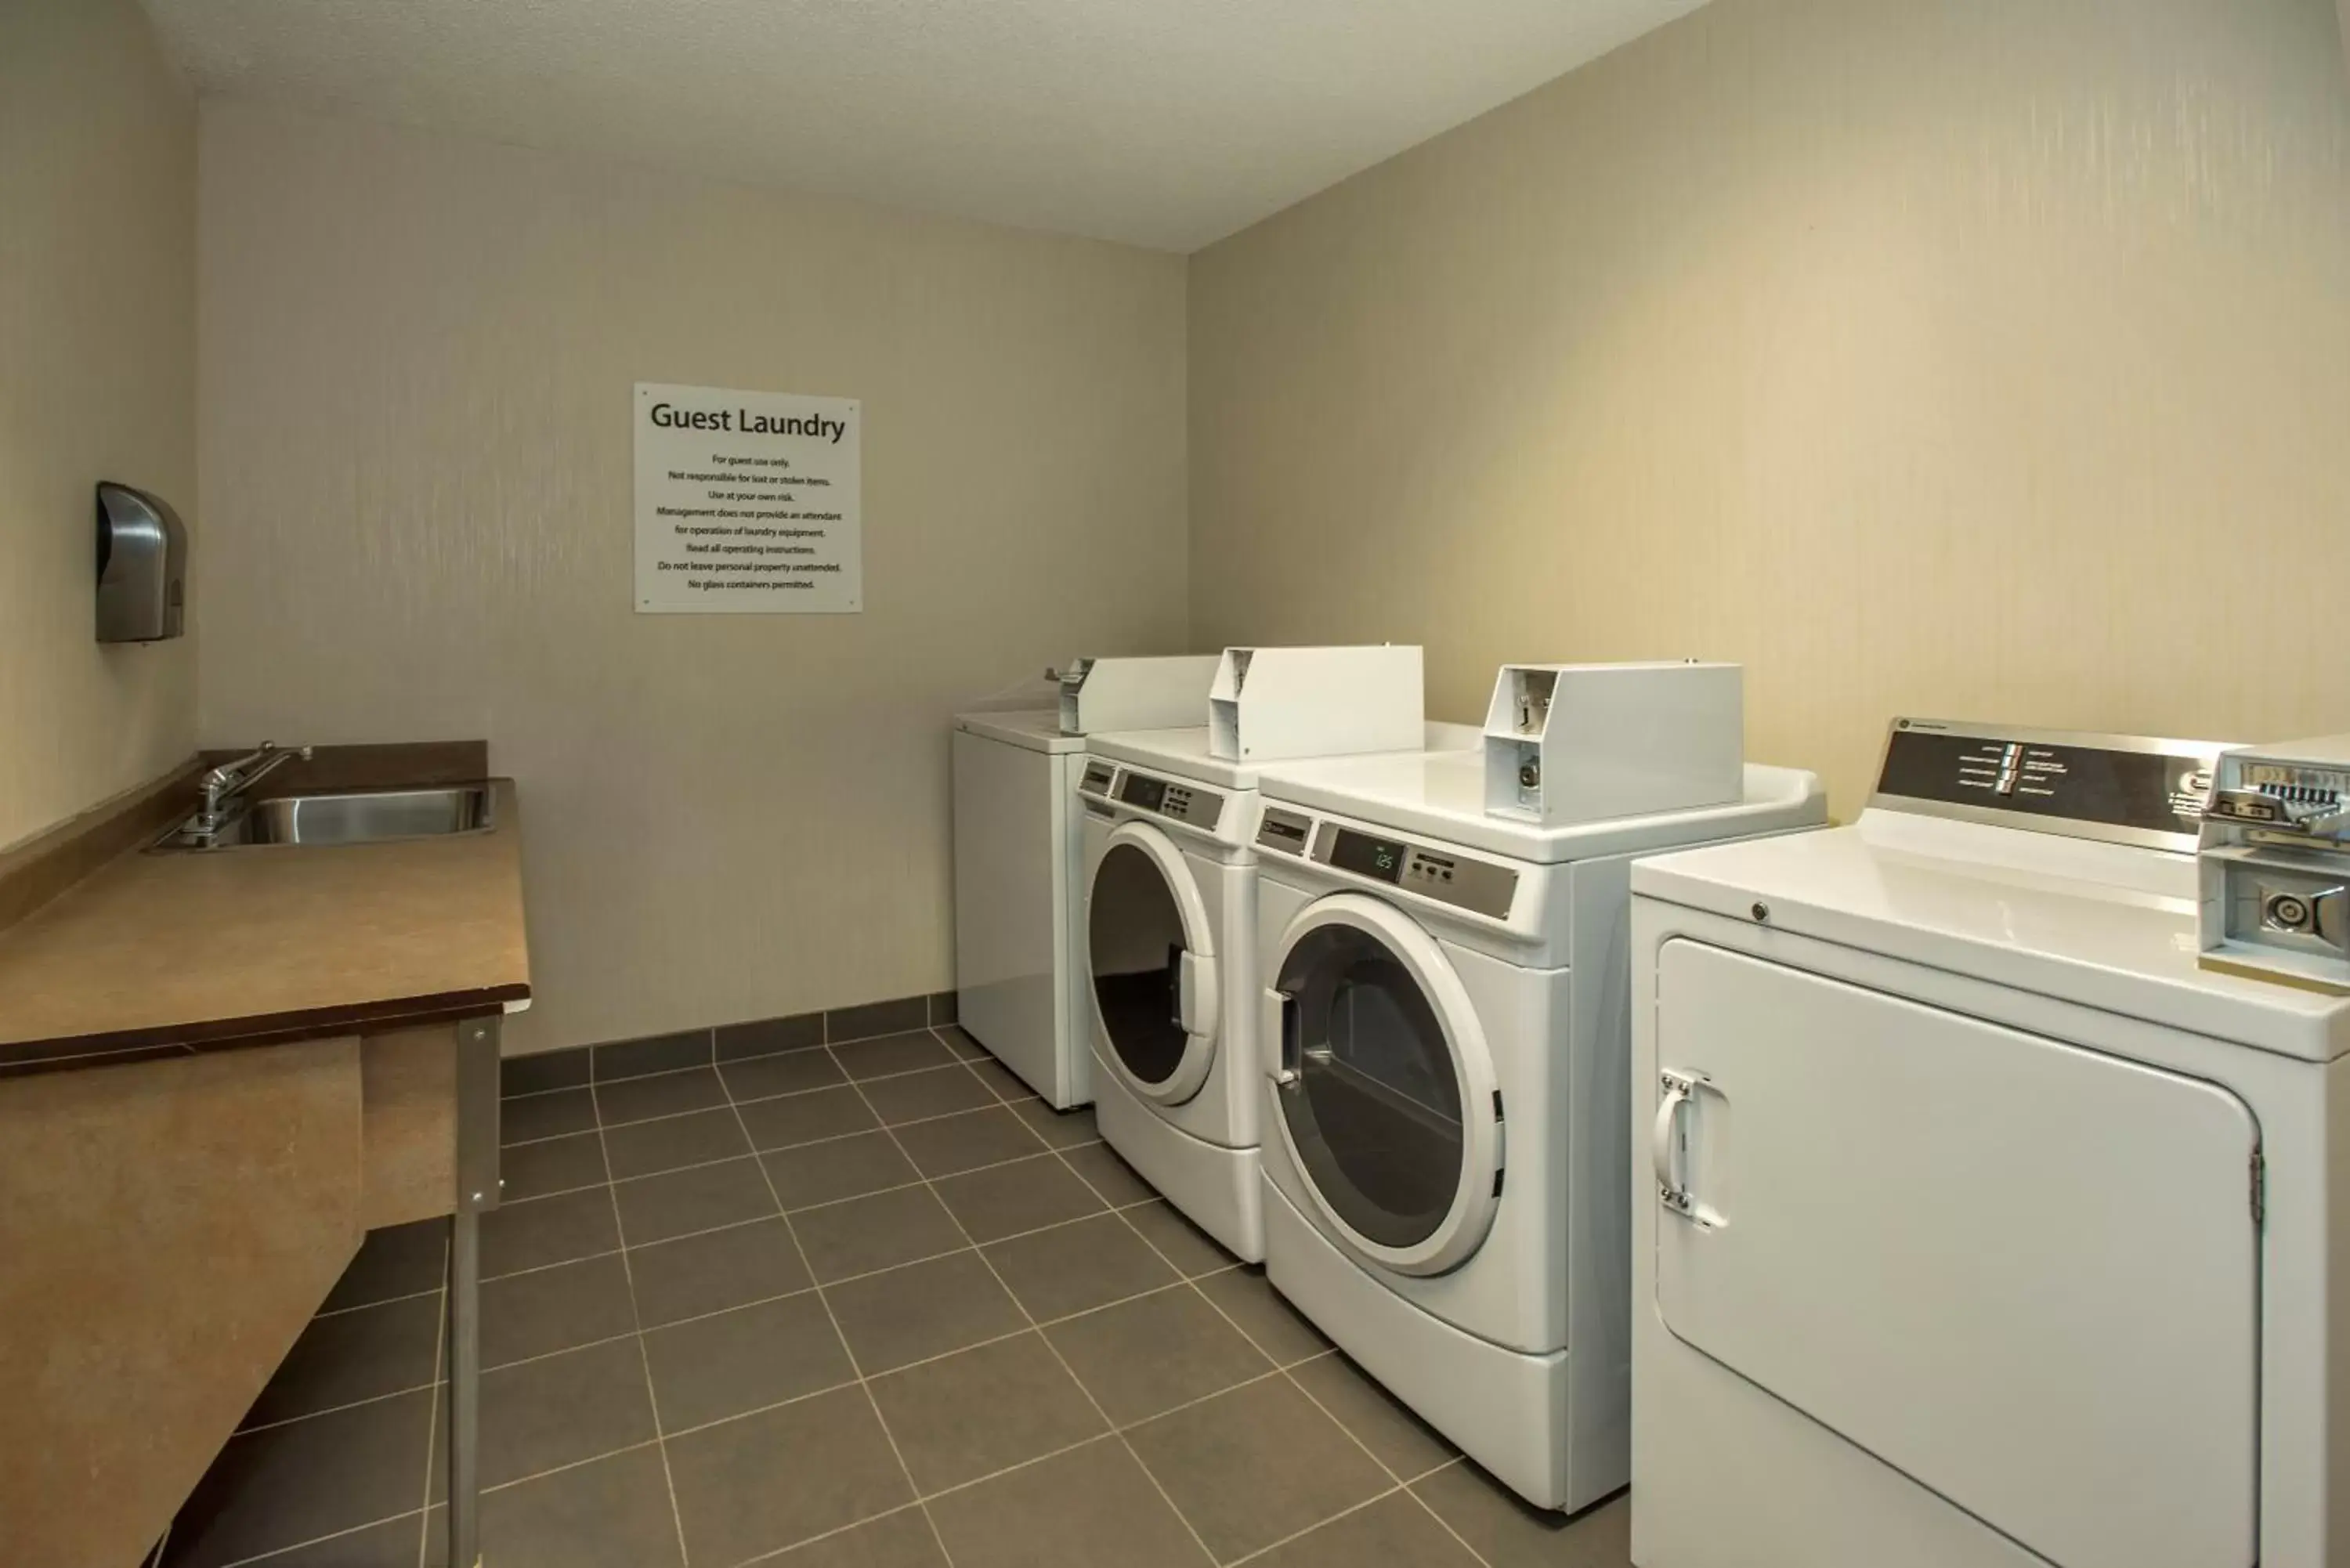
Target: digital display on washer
{"points": [[1367, 856], [1142, 790], [2149, 790]]}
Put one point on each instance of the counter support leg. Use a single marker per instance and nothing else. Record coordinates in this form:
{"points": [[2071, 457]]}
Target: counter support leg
{"points": [[477, 1189]]}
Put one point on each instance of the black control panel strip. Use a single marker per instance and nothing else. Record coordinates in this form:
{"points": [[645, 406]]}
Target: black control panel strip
{"points": [[1477, 886], [1195, 804], [2119, 788]]}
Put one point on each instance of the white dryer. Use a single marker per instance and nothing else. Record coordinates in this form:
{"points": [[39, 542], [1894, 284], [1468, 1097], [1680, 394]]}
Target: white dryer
{"points": [[1975, 1224], [1444, 1027], [1171, 935], [1016, 859]]}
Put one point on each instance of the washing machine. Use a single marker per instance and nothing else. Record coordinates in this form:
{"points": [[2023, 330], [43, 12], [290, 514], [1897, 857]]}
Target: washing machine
{"points": [[1169, 832], [1018, 858], [1976, 1225], [1444, 1020]]}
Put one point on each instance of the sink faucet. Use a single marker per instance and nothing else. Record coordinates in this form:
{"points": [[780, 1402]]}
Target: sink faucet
{"points": [[225, 782]]}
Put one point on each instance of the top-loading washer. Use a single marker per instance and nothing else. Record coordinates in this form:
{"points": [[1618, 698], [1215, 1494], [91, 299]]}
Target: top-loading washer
{"points": [[1977, 1224], [1019, 873], [1169, 831], [1444, 1020]]}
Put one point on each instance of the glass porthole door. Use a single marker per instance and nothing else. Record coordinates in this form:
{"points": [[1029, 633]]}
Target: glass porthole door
{"points": [[1152, 960], [1384, 1085]]}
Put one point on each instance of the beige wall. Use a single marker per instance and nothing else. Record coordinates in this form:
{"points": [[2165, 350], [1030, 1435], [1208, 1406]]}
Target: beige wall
{"points": [[417, 358], [98, 345], [1963, 360]]}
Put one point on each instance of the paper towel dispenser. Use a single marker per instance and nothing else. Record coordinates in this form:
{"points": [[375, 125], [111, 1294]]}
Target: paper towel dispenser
{"points": [[142, 567]]}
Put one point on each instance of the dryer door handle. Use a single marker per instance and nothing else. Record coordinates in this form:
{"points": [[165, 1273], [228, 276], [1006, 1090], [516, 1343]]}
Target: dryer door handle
{"points": [[1665, 1145], [1284, 1070], [1196, 996]]}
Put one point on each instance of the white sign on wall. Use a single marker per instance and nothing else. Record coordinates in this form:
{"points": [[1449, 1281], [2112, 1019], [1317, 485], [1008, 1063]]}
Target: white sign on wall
{"points": [[747, 501]]}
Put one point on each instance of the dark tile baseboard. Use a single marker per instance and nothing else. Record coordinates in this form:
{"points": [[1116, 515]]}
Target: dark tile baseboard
{"points": [[575, 1066]]}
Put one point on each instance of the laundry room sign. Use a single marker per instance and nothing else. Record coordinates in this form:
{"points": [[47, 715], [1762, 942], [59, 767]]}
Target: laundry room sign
{"points": [[747, 502]]}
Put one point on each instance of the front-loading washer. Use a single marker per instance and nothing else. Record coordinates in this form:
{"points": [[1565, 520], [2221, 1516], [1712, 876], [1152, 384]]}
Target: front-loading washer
{"points": [[1977, 1226], [1444, 1020], [1170, 937]]}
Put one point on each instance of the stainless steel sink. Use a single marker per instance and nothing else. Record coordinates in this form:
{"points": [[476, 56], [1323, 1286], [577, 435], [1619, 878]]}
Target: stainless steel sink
{"points": [[372, 816]]}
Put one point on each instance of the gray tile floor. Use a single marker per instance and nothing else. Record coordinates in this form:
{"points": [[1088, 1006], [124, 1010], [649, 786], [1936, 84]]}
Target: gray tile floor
{"points": [[869, 1305]]}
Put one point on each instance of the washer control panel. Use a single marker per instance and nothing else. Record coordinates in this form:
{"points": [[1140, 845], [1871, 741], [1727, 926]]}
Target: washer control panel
{"points": [[1446, 875], [1193, 805]]}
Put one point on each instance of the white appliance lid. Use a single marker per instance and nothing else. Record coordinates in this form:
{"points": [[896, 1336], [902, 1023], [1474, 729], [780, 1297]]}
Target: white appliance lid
{"points": [[2108, 926], [1036, 730], [1442, 795], [1184, 752], [1181, 753]]}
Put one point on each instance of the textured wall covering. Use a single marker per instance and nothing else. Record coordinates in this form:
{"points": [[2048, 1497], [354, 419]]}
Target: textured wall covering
{"points": [[417, 356], [1981, 359], [97, 349]]}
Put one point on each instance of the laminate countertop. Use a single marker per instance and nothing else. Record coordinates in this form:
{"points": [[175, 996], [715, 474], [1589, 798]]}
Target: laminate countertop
{"points": [[282, 940]]}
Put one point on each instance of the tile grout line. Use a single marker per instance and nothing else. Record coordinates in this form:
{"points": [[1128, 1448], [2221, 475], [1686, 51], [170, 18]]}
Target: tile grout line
{"points": [[572, 1465], [994, 1105], [844, 1083], [816, 1142], [1286, 1372], [840, 1334], [644, 1354], [770, 1555], [590, 1082], [754, 1152], [738, 1224], [551, 1355], [713, 1030], [584, 1257], [1272, 1546], [388, 1301], [1062, 1361], [384, 1398]]}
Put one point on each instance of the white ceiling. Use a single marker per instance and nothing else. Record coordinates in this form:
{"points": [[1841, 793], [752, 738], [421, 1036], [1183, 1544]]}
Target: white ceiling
{"points": [[1168, 123]]}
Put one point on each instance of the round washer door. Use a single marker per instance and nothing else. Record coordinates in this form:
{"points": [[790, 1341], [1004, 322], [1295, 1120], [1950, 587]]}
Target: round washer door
{"points": [[1151, 955], [1384, 1085]]}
